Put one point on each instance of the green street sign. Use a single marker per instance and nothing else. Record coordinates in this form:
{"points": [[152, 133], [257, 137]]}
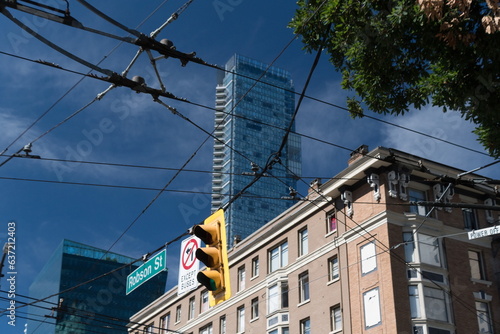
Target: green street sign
{"points": [[147, 270]]}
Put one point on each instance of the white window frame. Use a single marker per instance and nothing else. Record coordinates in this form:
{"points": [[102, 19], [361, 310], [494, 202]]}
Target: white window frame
{"points": [[255, 267], [415, 308], [204, 301], [305, 326], [149, 329], [423, 248], [484, 319], [279, 255], [432, 299], [372, 308], [240, 319], [332, 227], [207, 329], [241, 278], [429, 245], [412, 197], [178, 314], [335, 318], [165, 323], [303, 241], [304, 291], [368, 253], [333, 269], [222, 325], [254, 309], [277, 297], [191, 308]]}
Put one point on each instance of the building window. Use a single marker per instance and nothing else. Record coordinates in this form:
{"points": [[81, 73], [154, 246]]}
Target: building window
{"points": [[278, 257], [240, 320], [476, 265], [414, 302], [191, 308], [371, 304], [331, 222], [280, 330], [277, 297], [178, 313], [305, 326], [409, 247], [255, 267], [335, 318], [255, 308], [206, 329], [368, 258], [435, 304], [429, 250], [484, 318], [417, 196], [241, 278], [222, 325], [333, 268], [149, 329], [470, 220], [303, 242], [204, 301], [165, 324], [303, 287]]}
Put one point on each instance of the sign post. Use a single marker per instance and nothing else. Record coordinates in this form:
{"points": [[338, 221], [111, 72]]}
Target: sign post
{"points": [[188, 265], [147, 270]]}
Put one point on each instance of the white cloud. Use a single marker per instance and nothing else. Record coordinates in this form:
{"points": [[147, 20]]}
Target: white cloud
{"points": [[449, 127]]}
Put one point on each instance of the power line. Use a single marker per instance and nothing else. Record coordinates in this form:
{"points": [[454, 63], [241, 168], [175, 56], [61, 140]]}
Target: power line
{"points": [[83, 76]]}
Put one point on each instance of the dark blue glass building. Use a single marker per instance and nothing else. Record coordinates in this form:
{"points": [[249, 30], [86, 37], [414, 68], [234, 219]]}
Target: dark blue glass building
{"points": [[250, 124], [97, 307]]}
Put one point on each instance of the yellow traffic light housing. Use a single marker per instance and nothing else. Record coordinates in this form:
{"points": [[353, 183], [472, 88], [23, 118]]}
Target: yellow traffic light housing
{"points": [[216, 277]]}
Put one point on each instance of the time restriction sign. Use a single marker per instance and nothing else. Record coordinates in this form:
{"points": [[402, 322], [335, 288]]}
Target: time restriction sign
{"points": [[189, 265]]}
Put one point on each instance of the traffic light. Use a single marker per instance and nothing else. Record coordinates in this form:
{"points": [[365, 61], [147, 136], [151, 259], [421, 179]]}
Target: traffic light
{"points": [[216, 276]]}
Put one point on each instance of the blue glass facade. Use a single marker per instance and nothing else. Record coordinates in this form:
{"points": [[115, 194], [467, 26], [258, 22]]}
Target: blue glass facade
{"points": [[98, 307], [250, 125]]}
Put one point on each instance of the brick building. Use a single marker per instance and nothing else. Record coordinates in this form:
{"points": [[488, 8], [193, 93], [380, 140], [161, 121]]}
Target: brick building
{"points": [[361, 254]]}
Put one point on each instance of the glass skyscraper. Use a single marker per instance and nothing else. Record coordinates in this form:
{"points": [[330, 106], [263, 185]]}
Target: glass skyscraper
{"points": [[101, 306], [253, 111]]}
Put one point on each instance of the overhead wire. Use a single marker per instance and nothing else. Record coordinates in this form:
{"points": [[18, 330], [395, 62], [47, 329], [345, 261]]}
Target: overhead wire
{"points": [[82, 314], [88, 74], [260, 122]]}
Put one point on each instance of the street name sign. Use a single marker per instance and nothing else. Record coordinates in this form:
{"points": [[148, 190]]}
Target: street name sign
{"points": [[189, 265], [147, 270], [484, 232]]}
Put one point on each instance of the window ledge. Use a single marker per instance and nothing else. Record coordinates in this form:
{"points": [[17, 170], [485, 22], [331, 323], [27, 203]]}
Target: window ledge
{"points": [[329, 234], [254, 319], [304, 302], [480, 281], [336, 331], [333, 281]]}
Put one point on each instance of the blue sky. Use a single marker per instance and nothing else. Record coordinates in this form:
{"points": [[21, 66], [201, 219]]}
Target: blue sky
{"points": [[129, 128]]}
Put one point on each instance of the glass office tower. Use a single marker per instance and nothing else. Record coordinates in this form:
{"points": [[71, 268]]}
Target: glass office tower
{"points": [[97, 307], [253, 112]]}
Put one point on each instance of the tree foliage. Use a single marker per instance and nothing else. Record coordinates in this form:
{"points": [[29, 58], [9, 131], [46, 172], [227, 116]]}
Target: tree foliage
{"points": [[403, 54]]}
